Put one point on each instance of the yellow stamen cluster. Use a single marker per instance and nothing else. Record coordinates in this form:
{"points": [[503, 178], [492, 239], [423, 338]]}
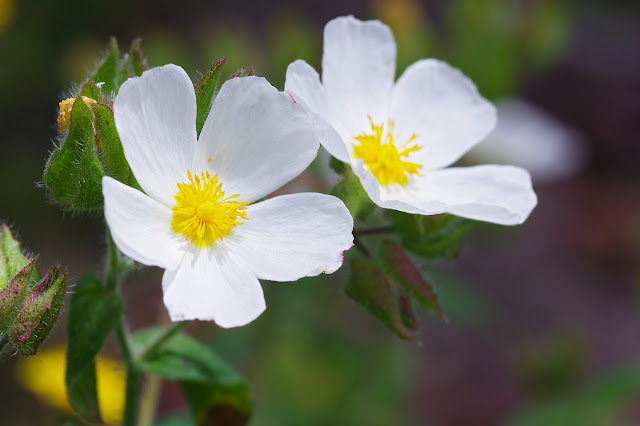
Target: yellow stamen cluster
{"points": [[382, 157], [64, 117], [202, 213]]}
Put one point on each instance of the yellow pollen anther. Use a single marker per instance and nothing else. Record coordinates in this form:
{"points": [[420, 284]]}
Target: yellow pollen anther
{"points": [[64, 117], [382, 158], [202, 213]]}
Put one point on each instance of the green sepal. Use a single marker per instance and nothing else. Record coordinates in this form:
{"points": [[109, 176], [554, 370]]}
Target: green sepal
{"points": [[12, 260], [209, 384], [91, 90], [370, 288], [13, 295], [109, 68], [432, 236], [355, 198], [73, 173], [93, 313], [138, 62], [401, 269], [205, 90], [39, 312], [110, 147]]}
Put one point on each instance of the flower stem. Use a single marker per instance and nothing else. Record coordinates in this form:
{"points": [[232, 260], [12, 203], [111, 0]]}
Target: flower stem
{"points": [[368, 230], [149, 401], [133, 377], [116, 269], [162, 338]]}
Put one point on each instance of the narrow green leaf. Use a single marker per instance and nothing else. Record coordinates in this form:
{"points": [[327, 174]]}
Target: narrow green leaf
{"points": [[209, 384], [351, 192], [400, 268], [74, 173], [112, 154], [432, 236], [205, 91], [138, 62], [93, 314], [108, 70], [407, 315], [369, 287]]}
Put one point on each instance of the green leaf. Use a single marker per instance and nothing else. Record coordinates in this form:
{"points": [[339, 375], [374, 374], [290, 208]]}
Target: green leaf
{"points": [[599, 403], [212, 388], [138, 62], [73, 172], [109, 68], [369, 287], [432, 236], [399, 267], [112, 154], [205, 91], [351, 192], [93, 314], [338, 166]]}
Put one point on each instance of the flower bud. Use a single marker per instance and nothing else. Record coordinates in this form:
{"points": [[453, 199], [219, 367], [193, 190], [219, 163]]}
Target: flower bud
{"points": [[39, 312], [64, 116], [29, 306]]}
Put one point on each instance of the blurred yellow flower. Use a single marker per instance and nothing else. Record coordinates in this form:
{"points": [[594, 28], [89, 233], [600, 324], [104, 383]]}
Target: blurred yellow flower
{"points": [[44, 375], [6, 13]]}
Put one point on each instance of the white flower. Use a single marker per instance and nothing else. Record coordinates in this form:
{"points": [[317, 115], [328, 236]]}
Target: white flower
{"points": [[399, 138], [529, 137], [196, 220]]}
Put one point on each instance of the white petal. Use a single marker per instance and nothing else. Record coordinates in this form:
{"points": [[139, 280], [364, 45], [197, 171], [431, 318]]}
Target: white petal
{"points": [[443, 107], [141, 226], [255, 138], [213, 285], [530, 138], [303, 82], [358, 70], [155, 116], [490, 193], [293, 236]]}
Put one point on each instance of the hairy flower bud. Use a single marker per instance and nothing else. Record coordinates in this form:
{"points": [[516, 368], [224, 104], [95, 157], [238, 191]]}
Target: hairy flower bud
{"points": [[29, 306], [64, 116], [39, 312]]}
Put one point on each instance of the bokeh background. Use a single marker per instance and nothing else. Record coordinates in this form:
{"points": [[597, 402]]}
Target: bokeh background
{"points": [[544, 319]]}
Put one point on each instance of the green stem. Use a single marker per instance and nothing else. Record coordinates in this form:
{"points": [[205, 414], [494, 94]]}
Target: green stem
{"points": [[133, 377], [116, 269], [156, 343], [149, 401], [368, 230]]}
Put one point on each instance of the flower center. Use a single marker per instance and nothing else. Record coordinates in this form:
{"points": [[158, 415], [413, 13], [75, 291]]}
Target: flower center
{"points": [[383, 159], [202, 213]]}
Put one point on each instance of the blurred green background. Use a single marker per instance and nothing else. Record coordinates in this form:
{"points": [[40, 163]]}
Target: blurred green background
{"points": [[544, 323]]}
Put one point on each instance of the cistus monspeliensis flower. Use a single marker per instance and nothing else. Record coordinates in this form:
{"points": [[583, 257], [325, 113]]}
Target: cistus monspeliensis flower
{"points": [[196, 218], [400, 137]]}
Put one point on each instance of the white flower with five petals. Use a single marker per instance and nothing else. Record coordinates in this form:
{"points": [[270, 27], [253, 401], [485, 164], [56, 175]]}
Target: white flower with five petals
{"points": [[195, 217], [401, 137]]}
